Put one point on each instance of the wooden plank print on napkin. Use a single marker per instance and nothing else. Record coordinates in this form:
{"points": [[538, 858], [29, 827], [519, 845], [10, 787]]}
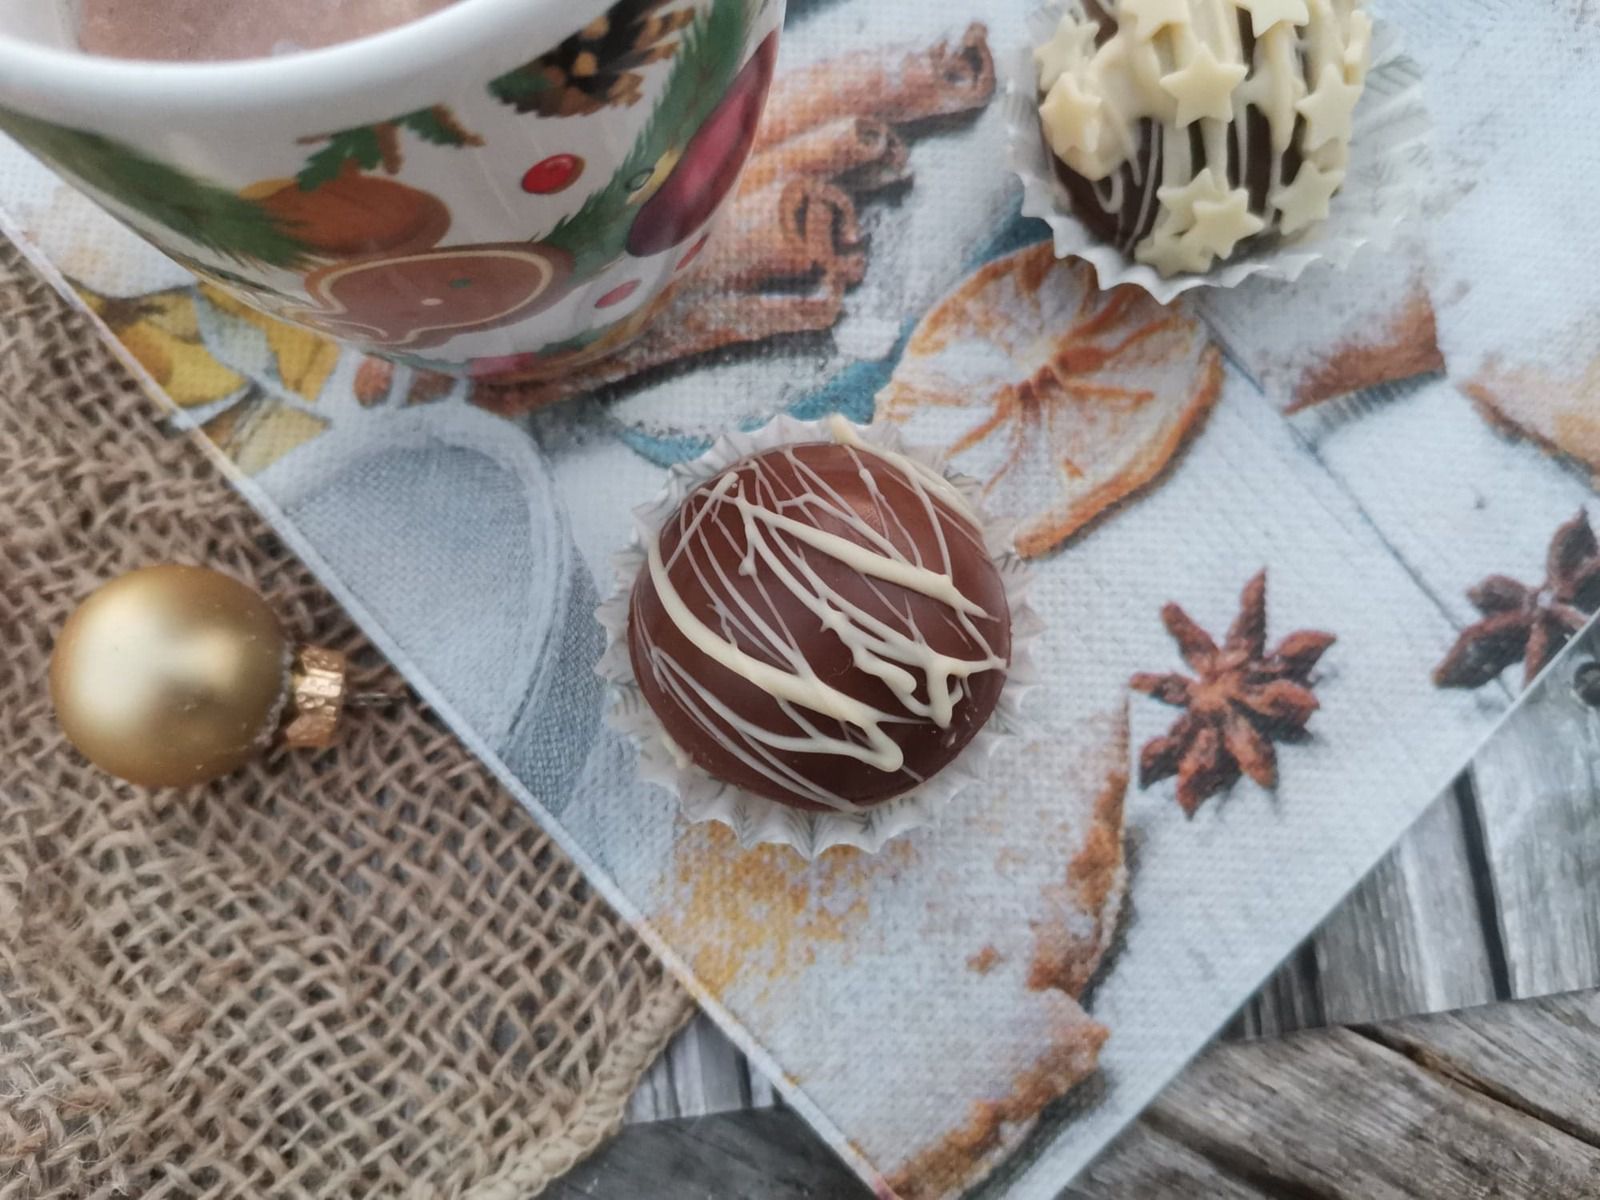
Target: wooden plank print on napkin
{"points": [[1055, 935]]}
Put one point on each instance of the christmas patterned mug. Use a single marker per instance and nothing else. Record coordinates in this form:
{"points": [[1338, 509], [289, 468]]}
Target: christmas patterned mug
{"points": [[503, 188]]}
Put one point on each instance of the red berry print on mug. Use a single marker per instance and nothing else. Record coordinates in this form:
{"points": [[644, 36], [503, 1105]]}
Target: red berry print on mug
{"points": [[551, 175], [706, 169], [618, 294], [694, 252]]}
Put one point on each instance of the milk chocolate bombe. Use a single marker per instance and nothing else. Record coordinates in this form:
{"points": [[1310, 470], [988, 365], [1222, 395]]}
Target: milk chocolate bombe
{"points": [[821, 624], [1185, 132]]}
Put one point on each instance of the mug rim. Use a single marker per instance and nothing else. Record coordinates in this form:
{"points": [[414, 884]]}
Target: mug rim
{"points": [[469, 31]]}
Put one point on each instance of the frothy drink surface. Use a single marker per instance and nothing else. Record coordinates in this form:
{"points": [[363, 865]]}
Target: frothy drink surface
{"points": [[213, 29]]}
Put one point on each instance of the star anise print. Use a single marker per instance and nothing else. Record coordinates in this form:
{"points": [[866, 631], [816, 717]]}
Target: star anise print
{"points": [[1530, 624], [1241, 700]]}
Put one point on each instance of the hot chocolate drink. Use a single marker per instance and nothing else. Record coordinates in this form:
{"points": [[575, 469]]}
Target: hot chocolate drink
{"points": [[201, 30]]}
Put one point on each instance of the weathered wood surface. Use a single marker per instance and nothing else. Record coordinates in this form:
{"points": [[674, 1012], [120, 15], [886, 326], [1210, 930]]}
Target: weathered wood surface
{"points": [[701, 1072], [1496, 1102], [1411, 938], [1539, 781], [1336, 1113], [768, 1154], [1493, 895]]}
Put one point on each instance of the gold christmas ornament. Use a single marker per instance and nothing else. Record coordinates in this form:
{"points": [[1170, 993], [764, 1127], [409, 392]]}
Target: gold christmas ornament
{"points": [[171, 675]]}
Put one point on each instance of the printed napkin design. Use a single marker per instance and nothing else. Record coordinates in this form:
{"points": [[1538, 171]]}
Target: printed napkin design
{"points": [[1198, 488]]}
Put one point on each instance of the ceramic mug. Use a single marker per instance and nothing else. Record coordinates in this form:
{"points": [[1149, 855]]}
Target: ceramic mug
{"points": [[505, 187]]}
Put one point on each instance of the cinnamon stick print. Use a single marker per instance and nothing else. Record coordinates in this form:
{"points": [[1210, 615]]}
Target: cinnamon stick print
{"points": [[837, 148], [896, 85], [785, 232], [893, 169]]}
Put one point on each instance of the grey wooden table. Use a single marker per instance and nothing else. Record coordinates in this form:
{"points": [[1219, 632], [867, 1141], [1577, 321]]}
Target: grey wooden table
{"points": [[1494, 896], [1498, 1101]]}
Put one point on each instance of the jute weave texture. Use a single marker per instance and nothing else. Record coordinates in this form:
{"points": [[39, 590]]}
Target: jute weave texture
{"points": [[359, 973]]}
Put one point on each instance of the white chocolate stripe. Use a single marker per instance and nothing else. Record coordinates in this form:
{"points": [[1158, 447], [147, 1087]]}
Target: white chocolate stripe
{"points": [[803, 687], [878, 648], [859, 558], [751, 749]]}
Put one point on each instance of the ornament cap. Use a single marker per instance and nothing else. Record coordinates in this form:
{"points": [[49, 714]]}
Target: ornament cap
{"points": [[318, 686]]}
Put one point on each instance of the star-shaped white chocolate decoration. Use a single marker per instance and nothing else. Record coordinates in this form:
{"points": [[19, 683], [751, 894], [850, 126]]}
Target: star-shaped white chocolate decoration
{"points": [[1149, 17], [1264, 14], [1071, 118], [1180, 201], [1328, 109], [1220, 225], [1165, 247], [1204, 87], [1305, 201], [1358, 48], [1170, 254], [1070, 45]]}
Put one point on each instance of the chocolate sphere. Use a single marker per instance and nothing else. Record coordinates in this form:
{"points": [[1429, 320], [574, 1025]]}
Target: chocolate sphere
{"points": [[1187, 131], [821, 624]]}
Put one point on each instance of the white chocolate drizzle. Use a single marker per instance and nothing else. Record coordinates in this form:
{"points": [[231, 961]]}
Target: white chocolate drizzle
{"points": [[778, 524], [1182, 65]]}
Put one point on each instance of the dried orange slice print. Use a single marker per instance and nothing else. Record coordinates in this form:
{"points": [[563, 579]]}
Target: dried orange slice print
{"points": [[1062, 399]]}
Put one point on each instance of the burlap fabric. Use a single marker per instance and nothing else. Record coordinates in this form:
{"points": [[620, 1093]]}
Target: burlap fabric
{"points": [[364, 972]]}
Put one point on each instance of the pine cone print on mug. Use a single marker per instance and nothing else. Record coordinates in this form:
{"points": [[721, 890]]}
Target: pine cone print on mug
{"points": [[597, 67]]}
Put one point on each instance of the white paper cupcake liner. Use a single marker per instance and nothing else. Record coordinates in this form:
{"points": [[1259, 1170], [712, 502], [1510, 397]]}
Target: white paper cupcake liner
{"points": [[1389, 164], [755, 820]]}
